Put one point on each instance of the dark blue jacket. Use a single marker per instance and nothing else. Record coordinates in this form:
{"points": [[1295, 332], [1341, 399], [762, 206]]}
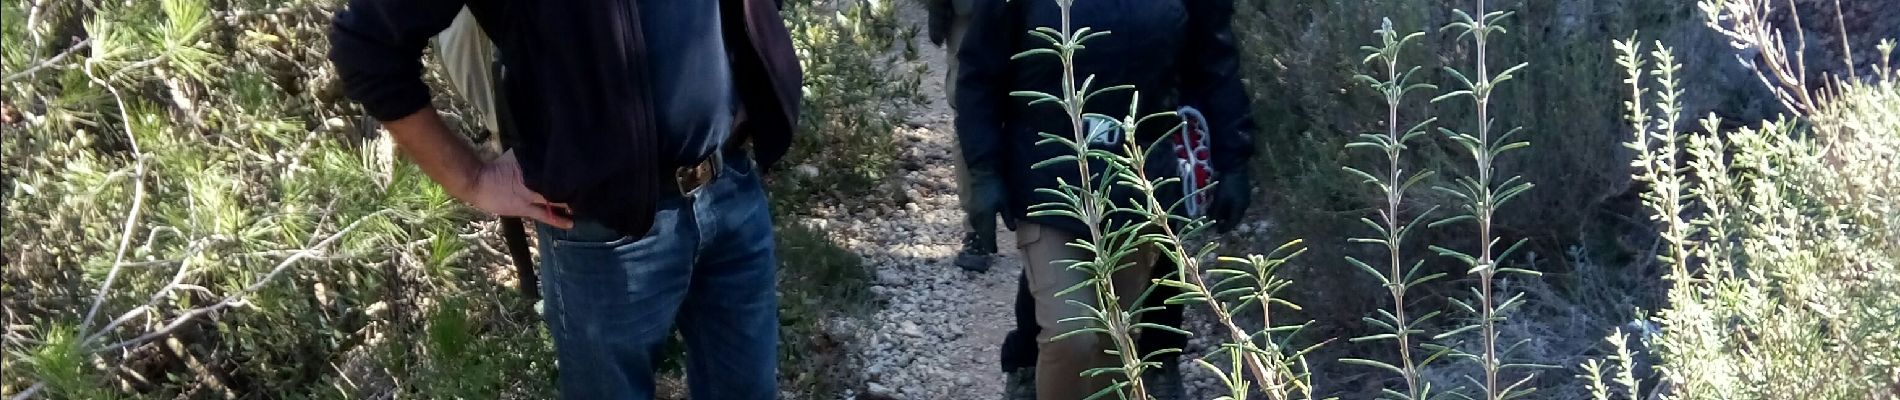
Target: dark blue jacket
{"points": [[1175, 53], [576, 88]]}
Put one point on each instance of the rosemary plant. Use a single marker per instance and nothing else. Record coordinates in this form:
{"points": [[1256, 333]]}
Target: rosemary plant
{"points": [[1482, 195], [1392, 227], [1244, 282]]}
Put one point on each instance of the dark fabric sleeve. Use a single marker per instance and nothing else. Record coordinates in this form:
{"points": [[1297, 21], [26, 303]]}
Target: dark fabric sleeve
{"points": [[982, 83], [377, 46], [1210, 82]]}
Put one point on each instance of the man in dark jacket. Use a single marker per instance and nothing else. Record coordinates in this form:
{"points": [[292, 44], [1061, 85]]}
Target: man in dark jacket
{"points": [[639, 123], [1176, 53]]}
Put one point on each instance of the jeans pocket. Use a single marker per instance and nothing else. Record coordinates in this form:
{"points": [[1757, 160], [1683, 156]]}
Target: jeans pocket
{"points": [[739, 164], [589, 234]]}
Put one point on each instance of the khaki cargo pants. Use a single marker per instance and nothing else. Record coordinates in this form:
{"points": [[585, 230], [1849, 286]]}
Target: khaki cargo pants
{"points": [[1059, 364]]}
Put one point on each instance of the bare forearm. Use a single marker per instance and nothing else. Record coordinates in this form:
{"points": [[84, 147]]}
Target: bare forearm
{"points": [[445, 156]]}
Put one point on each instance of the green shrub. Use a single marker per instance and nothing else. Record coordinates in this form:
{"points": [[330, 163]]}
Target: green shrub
{"points": [[254, 231], [1300, 57], [844, 149], [258, 237], [1781, 241], [819, 283], [854, 98]]}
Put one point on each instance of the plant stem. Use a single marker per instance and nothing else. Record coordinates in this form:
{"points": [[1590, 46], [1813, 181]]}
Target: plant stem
{"points": [[1393, 197], [1113, 318], [1486, 208], [131, 215], [1191, 272]]}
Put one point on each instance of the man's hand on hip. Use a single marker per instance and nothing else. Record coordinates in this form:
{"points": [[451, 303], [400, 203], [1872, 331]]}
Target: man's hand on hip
{"points": [[494, 185], [498, 189]]}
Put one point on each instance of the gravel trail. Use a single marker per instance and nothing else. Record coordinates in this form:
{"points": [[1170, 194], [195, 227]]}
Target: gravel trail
{"points": [[938, 330]]}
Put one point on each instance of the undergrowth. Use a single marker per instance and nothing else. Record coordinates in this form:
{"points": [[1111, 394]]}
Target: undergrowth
{"points": [[1780, 239], [192, 210]]}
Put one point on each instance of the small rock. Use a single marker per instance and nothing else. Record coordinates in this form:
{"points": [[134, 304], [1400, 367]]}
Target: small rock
{"points": [[378, 309], [878, 389], [910, 329], [806, 171], [891, 278]]}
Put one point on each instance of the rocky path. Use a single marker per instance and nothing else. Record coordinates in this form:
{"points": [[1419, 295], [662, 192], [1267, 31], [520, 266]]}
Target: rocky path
{"points": [[937, 333]]}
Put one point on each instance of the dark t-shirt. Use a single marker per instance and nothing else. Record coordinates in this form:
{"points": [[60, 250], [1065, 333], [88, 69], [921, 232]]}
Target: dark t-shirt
{"points": [[693, 100]]}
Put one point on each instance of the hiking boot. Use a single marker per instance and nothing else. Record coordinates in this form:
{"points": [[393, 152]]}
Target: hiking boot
{"points": [[1164, 382], [1019, 384], [975, 257]]}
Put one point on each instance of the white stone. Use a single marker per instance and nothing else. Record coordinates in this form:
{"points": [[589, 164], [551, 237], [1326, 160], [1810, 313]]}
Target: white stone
{"points": [[806, 171], [878, 389]]}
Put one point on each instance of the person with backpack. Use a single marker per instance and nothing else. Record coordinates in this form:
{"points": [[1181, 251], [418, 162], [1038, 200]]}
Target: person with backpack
{"points": [[1178, 54], [642, 128]]}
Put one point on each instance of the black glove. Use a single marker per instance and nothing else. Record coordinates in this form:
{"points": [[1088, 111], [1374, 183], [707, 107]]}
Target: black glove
{"points": [[941, 13], [1232, 195], [939, 28], [989, 198]]}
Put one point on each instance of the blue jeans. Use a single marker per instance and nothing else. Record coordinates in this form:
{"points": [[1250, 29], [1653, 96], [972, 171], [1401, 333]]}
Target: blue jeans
{"points": [[707, 267]]}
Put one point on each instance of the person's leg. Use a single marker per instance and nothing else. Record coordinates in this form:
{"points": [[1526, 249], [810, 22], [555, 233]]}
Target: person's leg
{"points": [[1164, 383], [610, 299], [1060, 363], [1019, 345], [979, 238], [1019, 350], [1170, 315], [730, 319], [958, 24], [979, 241], [950, 47]]}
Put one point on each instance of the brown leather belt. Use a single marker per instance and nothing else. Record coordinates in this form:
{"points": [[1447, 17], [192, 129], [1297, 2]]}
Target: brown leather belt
{"points": [[689, 179]]}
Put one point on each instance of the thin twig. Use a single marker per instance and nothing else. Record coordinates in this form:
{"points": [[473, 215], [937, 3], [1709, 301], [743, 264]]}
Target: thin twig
{"points": [[1847, 48], [32, 23], [184, 269], [48, 62], [30, 391], [1801, 58], [238, 298], [136, 66], [230, 300], [138, 201], [233, 15]]}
